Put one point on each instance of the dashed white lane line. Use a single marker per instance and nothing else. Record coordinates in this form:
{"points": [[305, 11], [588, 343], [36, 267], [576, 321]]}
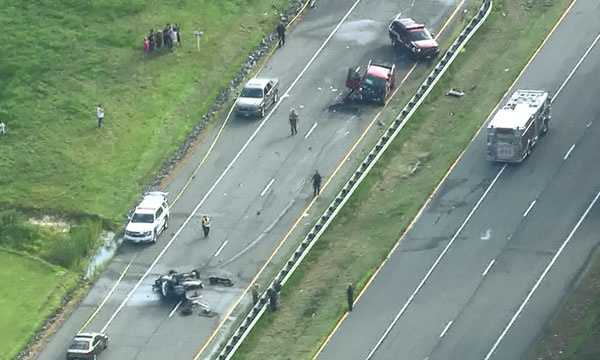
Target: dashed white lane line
{"points": [[311, 130], [221, 248], [541, 278], [225, 172], [174, 309], [569, 152], [435, 265], [266, 189], [487, 269], [446, 329], [529, 208]]}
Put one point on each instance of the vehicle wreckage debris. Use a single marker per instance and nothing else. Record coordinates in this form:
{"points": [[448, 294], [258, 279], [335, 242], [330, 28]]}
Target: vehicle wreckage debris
{"points": [[455, 93]]}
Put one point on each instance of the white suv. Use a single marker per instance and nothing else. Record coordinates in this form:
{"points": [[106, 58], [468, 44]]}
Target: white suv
{"points": [[149, 219]]}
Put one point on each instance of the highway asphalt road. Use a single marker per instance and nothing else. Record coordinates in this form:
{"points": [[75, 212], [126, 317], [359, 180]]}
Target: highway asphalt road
{"points": [[254, 184], [498, 247]]}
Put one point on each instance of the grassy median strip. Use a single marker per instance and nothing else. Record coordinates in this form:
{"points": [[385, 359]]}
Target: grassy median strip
{"points": [[31, 290], [72, 55], [383, 206]]}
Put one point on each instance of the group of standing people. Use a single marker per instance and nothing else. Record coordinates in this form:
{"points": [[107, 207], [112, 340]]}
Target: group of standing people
{"points": [[162, 39]]}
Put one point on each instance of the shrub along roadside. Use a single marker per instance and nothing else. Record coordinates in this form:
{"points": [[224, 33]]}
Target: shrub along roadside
{"points": [[370, 224], [67, 248]]}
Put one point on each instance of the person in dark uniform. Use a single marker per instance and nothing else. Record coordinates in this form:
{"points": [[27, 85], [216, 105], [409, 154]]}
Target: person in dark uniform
{"points": [[293, 121], [205, 225], [350, 296], [281, 33], [272, 299], [316, 180]]}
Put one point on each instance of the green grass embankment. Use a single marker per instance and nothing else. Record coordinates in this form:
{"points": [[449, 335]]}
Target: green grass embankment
{"points": [[71, 55], [389, 198], [31, 289]]}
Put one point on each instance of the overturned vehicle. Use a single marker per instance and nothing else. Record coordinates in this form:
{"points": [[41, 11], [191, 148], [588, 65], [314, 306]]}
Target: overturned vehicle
{"points": [[178, 286], [374, 85]]}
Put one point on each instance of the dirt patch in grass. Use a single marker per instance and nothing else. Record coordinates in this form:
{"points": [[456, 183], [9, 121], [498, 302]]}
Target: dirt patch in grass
{"points": [[382, 207]]}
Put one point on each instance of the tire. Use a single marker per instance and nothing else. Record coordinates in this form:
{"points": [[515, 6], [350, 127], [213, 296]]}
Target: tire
{"points": [[154, 237], [261, 114], [166, 225]]}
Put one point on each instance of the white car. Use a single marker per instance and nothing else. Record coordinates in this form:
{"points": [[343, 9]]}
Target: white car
{"points": [[149, 219]]}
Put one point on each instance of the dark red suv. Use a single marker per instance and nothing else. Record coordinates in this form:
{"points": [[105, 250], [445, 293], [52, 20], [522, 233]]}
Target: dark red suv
{"points": [[414, 37]]}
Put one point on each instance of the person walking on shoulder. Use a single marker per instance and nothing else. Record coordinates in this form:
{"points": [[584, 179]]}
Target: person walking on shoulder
{"points": [[316, 180], [100, 115], [350, 297], [293, 121], [205, 225], [281, 33]]}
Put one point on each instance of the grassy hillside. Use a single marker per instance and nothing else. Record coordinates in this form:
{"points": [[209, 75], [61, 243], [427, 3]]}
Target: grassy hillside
{"points": [[66, 56], [36, 289]]}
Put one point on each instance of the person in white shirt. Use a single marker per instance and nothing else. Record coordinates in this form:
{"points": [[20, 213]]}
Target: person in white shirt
{"points": [[100, 115], [2, 128]]}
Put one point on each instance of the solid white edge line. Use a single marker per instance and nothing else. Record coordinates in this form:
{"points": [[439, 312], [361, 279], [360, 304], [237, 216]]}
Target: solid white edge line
{"points": [[229, 166], [569, 152], [267, 187], [221, 248], [541, 278], [434, 266], [311, 130], [487, 269], [589, 49], [446, 329], [174, 309], [529, 208], [108, 295]]}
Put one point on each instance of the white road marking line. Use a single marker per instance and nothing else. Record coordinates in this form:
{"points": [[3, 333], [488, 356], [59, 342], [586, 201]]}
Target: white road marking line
{"points": [[221, 248], [576, 67], [227, 169], [267, 187], [487, 269], [569, 152], [311, 130], [434, 266], [541, 278], [112, 290], [174, 309], [529, 208], [446, 329]]}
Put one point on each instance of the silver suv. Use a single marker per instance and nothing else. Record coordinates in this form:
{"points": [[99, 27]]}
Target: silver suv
{"points": [[257, 97], [149, 219]]}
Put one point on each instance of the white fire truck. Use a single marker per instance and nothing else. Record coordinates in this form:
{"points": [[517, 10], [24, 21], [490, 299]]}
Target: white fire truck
{"points": [[515, 129]]}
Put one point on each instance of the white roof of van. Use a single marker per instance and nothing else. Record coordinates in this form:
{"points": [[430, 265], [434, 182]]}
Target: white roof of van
{"points": [[151, 202], [519, 108]]}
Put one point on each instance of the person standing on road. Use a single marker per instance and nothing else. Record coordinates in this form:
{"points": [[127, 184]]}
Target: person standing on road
{"points": [[100, 115], [205, 225], [293, 121], [316, 180], [2, 128], [350, 297], [281, 33]]}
